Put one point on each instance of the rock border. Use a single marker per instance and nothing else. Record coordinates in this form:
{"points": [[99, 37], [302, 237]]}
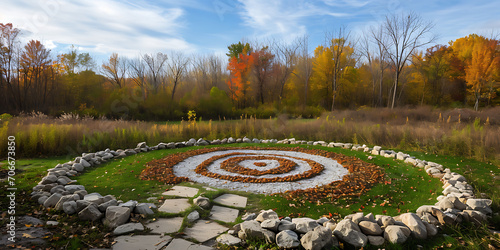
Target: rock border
{"points": [[457, 204]]}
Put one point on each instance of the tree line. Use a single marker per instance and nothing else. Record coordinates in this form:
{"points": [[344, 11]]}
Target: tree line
{"points": [[392, 64]]}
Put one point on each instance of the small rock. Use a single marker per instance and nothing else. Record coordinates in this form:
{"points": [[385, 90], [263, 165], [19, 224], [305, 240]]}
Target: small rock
{"points": [[396, 234], [91, 213], [286, 225], [202, 202], [116, 216], [415, 224], [193, 216], [304, 225], [248, 216], [375, 240]]}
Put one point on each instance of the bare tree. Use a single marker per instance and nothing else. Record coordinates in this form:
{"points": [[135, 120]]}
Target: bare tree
{"points": [[406, 33], [137, 73], [177, 68], [304, 65], [338, 43], [286, 56], [371, 47], [115, 70], [155, 69], [214, 69]]}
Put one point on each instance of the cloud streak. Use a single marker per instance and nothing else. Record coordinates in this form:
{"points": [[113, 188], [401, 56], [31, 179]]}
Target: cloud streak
{"points": [[100, 26]]}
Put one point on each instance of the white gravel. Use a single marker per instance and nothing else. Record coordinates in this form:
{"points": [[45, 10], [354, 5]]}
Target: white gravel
{"points": [[333, 171]]}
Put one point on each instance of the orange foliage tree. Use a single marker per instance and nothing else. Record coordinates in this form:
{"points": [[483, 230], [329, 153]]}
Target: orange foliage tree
{"points": [[240, 65]]}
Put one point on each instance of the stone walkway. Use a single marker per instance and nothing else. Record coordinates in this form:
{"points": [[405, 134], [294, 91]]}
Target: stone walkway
{"points": [[202, 231]]}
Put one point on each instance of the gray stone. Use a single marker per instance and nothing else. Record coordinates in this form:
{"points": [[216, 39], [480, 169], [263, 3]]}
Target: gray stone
{"points": [[322, 220], [424, 209], [384, 220], [286, 225], [143, 208], [91, 213], [202, 202], [370, 228], [193, 216], [73, 188], [375, 240], [427, 217], [319, 238], [65, 198], [396, 234], [69, 207], [432, 230], [52, 200], [128, 228], [78, 167], [266, 215], [347, 231], [415, 224], [481, 205], [42, 199], [141, 145], [103, 206], [116, 216], [95, 198], [287, 239], [81, 204], [228, 240], [271, 224], [52, 223], [248, 216], [246, 140], [253, 230], [129, 204], [48, 179], [304, 225]]}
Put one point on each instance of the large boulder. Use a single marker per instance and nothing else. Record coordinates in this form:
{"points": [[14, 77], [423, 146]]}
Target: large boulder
{"points": [[396, 234], [116, 216], [348, 232], [319, 238], [304, 225], [415, 224], [287, 239]]}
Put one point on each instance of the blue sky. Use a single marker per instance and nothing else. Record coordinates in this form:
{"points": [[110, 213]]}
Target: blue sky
{"points": [[129, 28]]}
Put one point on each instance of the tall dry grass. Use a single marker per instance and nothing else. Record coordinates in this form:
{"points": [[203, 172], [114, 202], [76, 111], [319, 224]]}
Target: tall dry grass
{"points": [[451, 132]]}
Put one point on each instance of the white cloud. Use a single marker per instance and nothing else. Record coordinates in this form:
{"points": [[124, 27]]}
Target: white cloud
{"points": [[285, 19], [99, 26]]}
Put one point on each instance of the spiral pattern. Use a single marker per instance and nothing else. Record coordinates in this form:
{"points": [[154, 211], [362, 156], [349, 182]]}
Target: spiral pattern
{"points": [[260, 171]]}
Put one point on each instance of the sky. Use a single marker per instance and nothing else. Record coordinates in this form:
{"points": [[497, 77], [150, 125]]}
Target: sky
{"points": [[134, 27]]}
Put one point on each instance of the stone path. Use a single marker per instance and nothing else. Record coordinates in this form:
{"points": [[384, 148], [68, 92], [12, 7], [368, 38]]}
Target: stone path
{"points": [[203, 231]]}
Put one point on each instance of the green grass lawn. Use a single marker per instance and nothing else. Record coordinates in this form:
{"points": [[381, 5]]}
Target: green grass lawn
{"points": [[404, 189]]}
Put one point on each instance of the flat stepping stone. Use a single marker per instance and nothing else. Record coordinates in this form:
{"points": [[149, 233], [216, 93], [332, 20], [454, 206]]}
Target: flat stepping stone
{"points": [[224, 214], [143, 242], [180, 244], [204, 230], [182, 191], [166, 226], [232, 200], [174, 206]]}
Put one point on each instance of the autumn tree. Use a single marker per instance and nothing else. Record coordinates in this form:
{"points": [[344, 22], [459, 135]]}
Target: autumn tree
{"points": [[73, 61], [285, 62], [239, 66], [35, 66], [262, 65], [115, 70], [372, 48], [406, 33]]}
